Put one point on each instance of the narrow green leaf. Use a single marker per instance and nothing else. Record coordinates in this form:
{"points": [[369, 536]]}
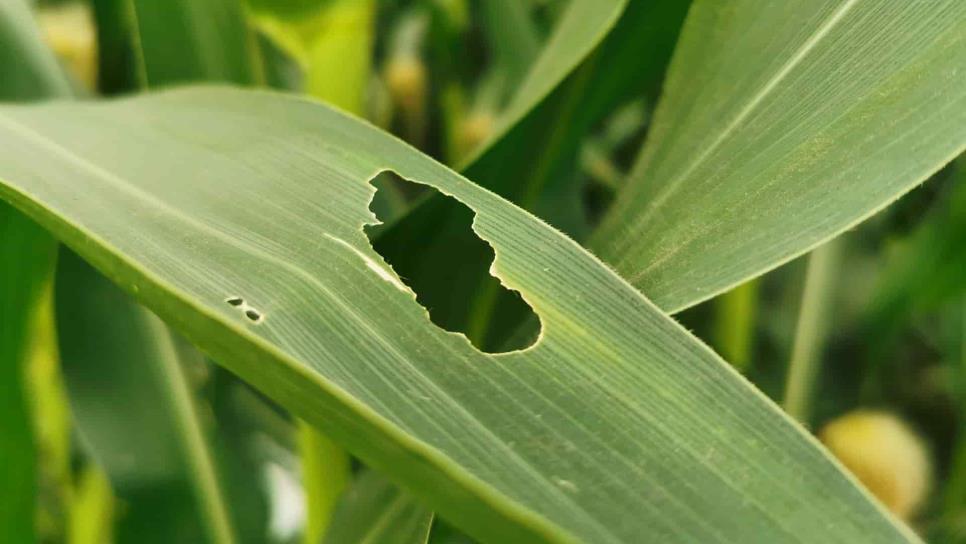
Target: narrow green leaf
{"points": [[182, 41], [617, 423], [374, 511], [145, 43], [582, 27], [734, 324], [27, 255], [117, 59], [133, 403], [346, 41], [512, 36], [50, 414], [332, 43], [92, 509], [325, 473], [26, 258], [812, 330], [781, 126]]}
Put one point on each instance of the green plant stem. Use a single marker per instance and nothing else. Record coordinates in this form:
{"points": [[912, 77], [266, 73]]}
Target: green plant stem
{"points": [[954, 501], [92, 508], [734, 324], [325, 473], [198, 454], [26, 258], [811, 331], [48, 406], [512, 35], [955, 496], [344, 43]]}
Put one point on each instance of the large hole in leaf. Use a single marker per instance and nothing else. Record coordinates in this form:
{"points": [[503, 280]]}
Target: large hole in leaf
{"points": [[436, 253]]}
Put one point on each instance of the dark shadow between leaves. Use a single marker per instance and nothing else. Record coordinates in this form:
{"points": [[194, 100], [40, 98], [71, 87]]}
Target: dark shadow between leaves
{"points": [[435, 251]]}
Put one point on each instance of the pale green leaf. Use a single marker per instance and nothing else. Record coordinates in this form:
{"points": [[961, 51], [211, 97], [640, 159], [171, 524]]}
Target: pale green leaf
{"points": [[783, 124], [616, 424]]}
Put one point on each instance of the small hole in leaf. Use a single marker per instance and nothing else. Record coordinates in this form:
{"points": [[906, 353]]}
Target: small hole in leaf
{"points": [[235, 301], [253, 315], [435, 252]]}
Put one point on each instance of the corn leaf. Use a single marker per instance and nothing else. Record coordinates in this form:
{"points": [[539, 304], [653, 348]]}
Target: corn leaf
{"points": [[781, 126], [513, 37], [237, 217], [145, 43], [30, 70], [191, 40]]}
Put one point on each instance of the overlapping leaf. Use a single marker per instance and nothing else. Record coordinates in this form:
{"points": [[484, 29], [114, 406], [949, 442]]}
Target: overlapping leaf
{"points": [[781, 126]]}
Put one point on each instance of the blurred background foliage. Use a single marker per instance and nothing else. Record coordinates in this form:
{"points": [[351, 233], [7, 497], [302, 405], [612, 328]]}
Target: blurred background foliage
{"points": [[871, 327]]}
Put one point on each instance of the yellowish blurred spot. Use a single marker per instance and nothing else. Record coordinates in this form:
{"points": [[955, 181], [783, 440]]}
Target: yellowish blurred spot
{"points": [[885, 455], [69, 31]]}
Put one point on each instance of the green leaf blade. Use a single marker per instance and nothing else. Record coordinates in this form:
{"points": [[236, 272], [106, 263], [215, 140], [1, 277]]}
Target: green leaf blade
{"points": [[193, 40], [617, 423], [30, 70], [808, 121]]}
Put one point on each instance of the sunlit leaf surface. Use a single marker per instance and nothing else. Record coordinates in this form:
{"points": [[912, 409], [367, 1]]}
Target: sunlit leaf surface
{"points": [[242, 227], [783, 124]]}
